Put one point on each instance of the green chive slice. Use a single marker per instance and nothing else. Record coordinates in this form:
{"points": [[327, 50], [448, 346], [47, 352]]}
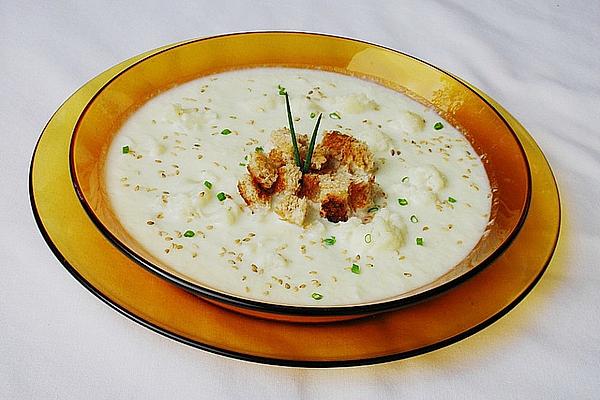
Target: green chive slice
{"points": [[208, 184], [373, 209], [125, 149], [281, 90], [189, 234], [419, 241], [451, 200], [226, 132], [368, 238], [437, 126], [405, 179], [403, 202], [316, 296], [355, 269], [330, 241], [259, 149], [221, 196], [334, 115], [414, 219], [313, 114]]}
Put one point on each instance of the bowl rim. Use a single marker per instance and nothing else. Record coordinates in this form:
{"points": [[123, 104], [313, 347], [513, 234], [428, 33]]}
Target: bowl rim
{"points": [[234, 301]]}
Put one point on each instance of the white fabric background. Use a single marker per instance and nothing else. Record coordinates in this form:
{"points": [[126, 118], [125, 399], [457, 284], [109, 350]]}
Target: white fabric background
{"points": [[540, 59]]}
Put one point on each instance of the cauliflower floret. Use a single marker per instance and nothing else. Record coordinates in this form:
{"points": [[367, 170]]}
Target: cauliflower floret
{"points": [[410, 122], [357, 103], [427, 177]]}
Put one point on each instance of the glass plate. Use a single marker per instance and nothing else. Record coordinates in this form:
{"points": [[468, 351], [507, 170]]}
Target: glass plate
{"points": [[177, 314]]}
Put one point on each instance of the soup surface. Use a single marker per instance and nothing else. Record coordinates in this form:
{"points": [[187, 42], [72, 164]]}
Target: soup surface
{"points": [[172, 174]]}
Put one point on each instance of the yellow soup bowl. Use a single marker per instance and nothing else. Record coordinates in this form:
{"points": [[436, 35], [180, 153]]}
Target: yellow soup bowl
{"points": [[490, 135]]}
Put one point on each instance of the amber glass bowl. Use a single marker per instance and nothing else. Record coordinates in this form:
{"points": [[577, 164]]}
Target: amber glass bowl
{"points": [[490, 135]]}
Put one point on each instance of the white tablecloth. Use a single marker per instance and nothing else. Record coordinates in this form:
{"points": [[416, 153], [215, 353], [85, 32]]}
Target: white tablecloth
{"points": [[540, 59]]}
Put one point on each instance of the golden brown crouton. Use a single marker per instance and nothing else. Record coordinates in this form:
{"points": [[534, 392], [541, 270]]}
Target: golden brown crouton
{"points": [[251, 193], [261, 170], [360, 194], [334, 207], [291, 208], [348, 151], [309, 187], [288, 179]]}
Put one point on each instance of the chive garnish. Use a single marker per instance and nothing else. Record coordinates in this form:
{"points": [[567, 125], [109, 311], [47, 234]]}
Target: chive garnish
{"points": [[334, 115], [368, 238], [419, 241], [259, 149], [403, 202], [330, 241], [311, 146], [292, 131], [316, 296], [373, 209], [414, 219], [451, 200], [189, 234], [437, 126], [221, 196], [125, 149], [355, 269], [225, 132], [281, 90], [312, 115], [405, 179], [208, 184]]}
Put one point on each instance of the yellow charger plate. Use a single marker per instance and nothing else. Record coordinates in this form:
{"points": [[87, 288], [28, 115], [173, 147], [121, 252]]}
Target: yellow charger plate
{"points": [[173, 312]]}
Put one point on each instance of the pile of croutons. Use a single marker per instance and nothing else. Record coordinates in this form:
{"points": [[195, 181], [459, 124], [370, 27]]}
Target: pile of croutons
{"points": [[340, 182]]}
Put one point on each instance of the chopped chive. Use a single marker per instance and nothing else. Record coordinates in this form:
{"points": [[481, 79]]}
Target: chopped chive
{"points": [[330, 241], [225, 132], [419, 241], [334, 115], [451, 200], [259, 149], [221, 196], [437, 126], [208, 184], [373, 209], [368, 238], [311, 146], [405, 179], [312, 115], [316, 296], [189, 234], [414, 219], [403, 202], [242, 164], [355, 269], [292, 131], [125, 149], [281, 89]]}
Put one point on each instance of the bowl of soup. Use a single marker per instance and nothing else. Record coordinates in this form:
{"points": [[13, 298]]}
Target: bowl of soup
{"points": [[298, 176]]}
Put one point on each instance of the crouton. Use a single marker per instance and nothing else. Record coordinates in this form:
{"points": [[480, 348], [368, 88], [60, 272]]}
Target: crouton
{"points": [[261, 170], [291, 208], [360, 194], [334, 207], [310, 187], [288, 179], [251, 193], [348, 151]]}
